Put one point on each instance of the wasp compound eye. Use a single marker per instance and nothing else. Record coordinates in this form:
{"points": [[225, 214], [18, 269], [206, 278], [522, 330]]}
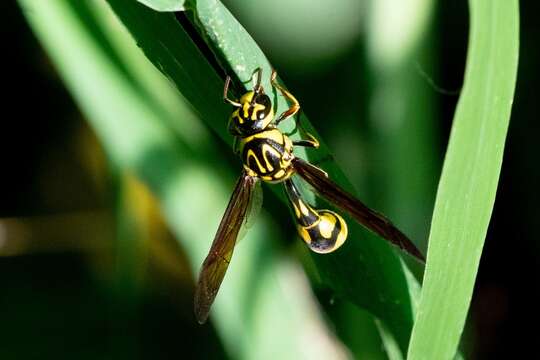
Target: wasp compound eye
{"points": [[265, 107]]}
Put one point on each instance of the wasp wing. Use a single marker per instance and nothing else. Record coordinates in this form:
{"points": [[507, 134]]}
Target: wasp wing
{"points": [[254, 208], [363, 214], [217, 261]]}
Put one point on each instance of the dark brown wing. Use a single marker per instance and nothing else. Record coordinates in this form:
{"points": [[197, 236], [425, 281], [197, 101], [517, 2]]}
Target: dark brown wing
{"points": [[217, 261], [345, 201]]}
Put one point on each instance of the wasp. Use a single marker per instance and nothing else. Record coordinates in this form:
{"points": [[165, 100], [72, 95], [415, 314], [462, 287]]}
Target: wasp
{"points": [[268, 155]]}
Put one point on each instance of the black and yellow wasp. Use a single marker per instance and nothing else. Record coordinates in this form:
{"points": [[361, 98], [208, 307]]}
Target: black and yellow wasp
{"points": [[267, 154]]}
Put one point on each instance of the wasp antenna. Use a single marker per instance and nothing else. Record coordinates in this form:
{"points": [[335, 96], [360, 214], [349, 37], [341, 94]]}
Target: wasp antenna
{"points": [[257, 85], [226, 91]]}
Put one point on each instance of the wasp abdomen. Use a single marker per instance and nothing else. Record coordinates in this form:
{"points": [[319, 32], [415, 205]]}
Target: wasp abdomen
{"points": [[323, 231], [327, 234]]}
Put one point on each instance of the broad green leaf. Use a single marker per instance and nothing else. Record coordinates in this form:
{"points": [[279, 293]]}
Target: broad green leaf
{"points": [[469, 179], [133, 110], [366, 270]]}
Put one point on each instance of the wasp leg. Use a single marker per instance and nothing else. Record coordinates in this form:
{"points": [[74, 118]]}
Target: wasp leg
{"points": [[322, 160], [295, 104], [226, 91], [293, 110], [312, 142]]}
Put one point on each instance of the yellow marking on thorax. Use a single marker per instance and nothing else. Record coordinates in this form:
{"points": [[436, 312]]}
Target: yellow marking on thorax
{"points": [[272, 134], [275, 135], [279, 174], [265, 149], [251, 153]]}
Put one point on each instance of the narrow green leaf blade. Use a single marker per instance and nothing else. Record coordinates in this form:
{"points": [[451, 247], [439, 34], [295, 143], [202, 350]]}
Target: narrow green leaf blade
{"points": [[165, 5], [469, 179]]}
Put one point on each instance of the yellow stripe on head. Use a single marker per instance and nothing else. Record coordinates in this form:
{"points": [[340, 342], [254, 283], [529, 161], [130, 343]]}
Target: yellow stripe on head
{"points": [[247, 97]]}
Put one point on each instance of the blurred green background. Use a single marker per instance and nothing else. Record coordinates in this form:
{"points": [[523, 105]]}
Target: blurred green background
{"points": [[90, 269]]}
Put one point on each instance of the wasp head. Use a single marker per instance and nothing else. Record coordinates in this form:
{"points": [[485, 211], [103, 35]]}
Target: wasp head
{"points": [[253, 111]]}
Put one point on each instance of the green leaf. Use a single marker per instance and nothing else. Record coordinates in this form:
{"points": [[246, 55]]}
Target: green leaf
{"points": [[165, 5], [469, 179]]}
